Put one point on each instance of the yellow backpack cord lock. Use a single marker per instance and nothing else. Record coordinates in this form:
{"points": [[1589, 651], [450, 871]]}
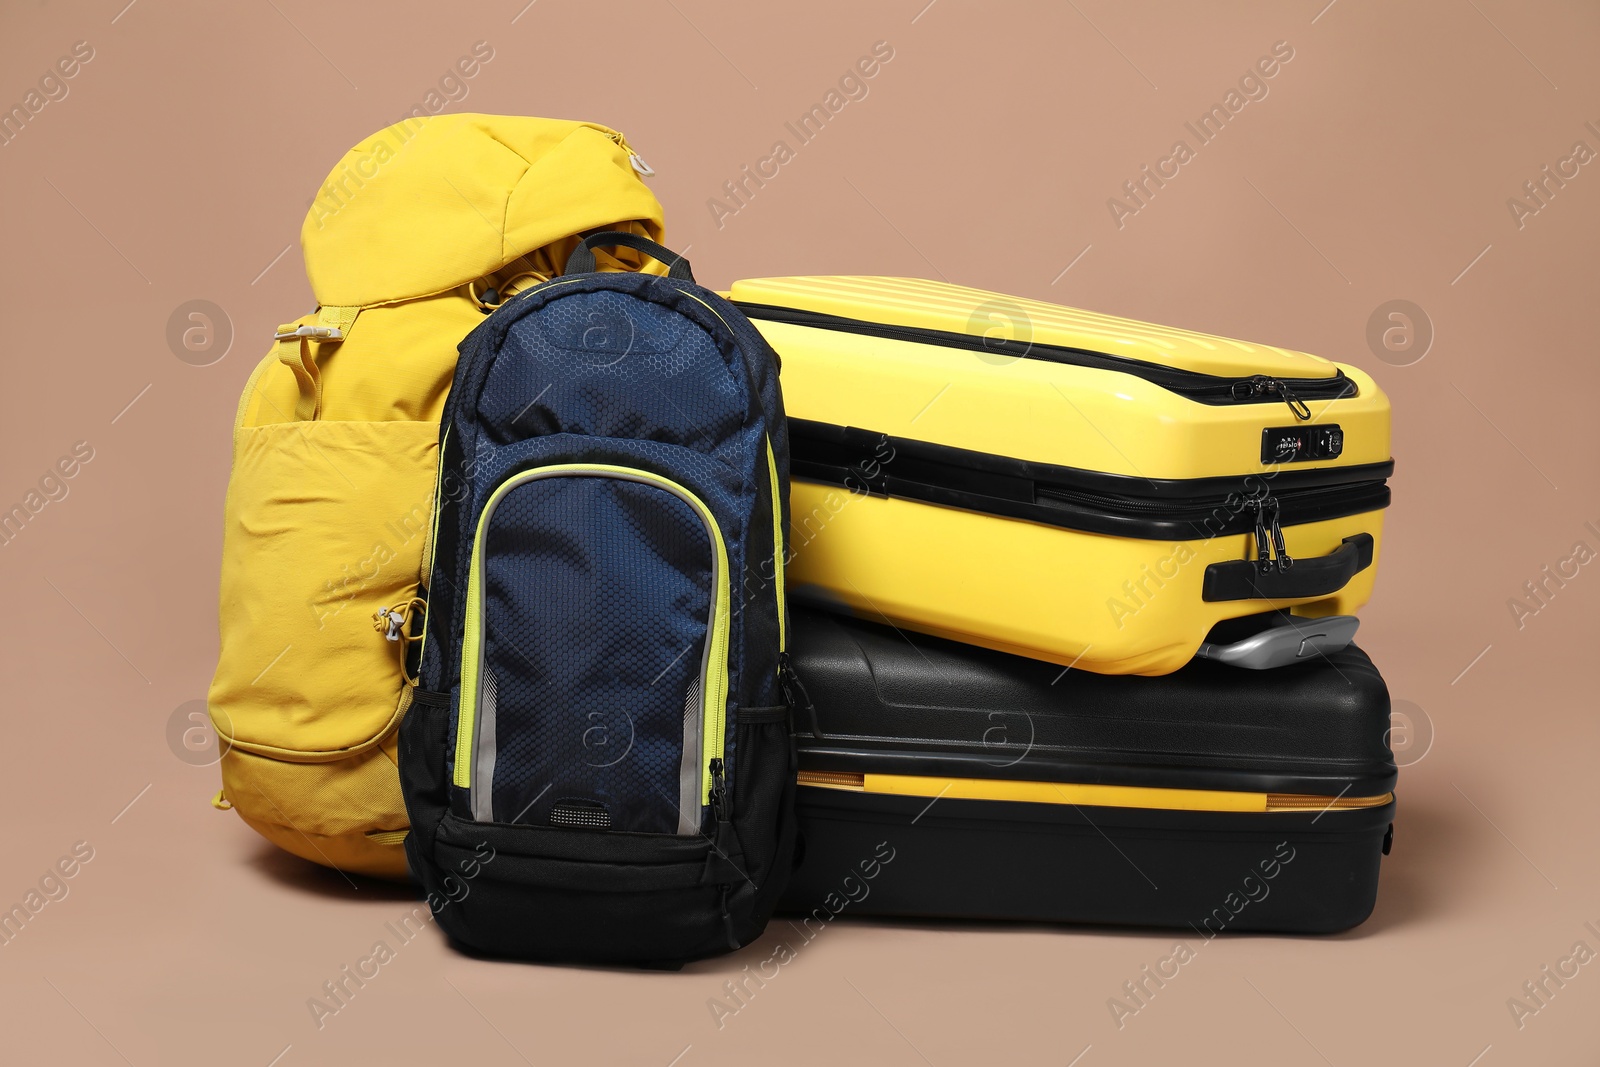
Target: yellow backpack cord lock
{"points": [[394, 623]]}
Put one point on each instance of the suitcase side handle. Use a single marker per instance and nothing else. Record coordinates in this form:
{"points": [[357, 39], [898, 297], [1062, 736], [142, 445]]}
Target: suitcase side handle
{"points": [[582, 259], [1243, 579], [1294, 640]]}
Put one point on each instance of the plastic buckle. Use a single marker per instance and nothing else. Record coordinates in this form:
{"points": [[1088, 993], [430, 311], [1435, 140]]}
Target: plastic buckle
{"points": [[312, 333]]}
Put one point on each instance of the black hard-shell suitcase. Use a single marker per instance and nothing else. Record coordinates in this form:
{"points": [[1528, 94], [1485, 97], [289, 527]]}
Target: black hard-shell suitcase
{"points": [[944, 780]]}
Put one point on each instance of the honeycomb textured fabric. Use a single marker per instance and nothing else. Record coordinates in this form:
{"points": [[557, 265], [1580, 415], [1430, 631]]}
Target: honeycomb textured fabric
{"points": [[607, 365], [597, 596]]}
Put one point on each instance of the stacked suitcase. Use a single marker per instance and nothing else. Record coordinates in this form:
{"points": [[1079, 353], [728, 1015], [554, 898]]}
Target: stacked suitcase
{"points": [[1003, 513]]}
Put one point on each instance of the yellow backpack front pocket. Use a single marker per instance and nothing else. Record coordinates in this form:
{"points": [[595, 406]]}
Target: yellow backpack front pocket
{"points": [[326, 523]]}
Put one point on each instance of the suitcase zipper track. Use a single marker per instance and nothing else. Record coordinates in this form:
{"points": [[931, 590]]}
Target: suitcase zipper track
{"points": [[876, 464], [1266, 513], [1293, 505], [1204, 388]]}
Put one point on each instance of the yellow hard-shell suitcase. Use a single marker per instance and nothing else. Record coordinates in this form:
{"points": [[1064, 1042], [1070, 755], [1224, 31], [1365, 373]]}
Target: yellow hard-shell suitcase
{"points": [[1055, 483]]}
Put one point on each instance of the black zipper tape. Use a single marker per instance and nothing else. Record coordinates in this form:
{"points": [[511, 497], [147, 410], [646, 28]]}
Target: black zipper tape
{"points": [[875, 464], [1204, 388]]}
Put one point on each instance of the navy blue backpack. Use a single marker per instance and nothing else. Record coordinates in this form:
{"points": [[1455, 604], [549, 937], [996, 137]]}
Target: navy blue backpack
{"points": [[597, 758]]}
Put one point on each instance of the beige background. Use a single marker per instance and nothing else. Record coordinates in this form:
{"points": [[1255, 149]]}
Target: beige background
{"points": [[179, 166]]}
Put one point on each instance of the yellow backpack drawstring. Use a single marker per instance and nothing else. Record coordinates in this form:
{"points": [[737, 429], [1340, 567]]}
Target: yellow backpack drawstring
{"points": [[394, 623]]}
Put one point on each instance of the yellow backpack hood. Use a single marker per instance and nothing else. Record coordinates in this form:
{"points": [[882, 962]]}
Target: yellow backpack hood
{"points": [[477, 192]]}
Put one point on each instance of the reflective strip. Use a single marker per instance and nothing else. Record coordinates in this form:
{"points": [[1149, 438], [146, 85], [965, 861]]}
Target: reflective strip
{"points": [[689, 768], [485, 748]]}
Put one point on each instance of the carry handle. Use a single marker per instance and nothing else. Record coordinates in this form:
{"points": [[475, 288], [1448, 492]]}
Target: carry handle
{"points": [[1290, 641], [1243, 579], [582, 259]]}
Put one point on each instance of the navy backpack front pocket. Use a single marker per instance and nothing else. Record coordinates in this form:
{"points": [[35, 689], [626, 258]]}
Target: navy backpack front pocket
{"points": [[594, 660]]}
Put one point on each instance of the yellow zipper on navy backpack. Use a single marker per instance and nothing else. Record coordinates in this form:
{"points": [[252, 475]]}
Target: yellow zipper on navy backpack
{"points": [[777, 545], [714, 684]]}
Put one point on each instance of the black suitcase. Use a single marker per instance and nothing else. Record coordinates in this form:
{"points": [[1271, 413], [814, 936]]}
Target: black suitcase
{"points": [[944, 780]]}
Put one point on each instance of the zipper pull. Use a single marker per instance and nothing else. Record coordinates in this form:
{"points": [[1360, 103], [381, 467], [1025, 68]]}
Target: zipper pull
{"points": [[795, 695], [1296, 405], [1263, 539], [1271, 551], [1262, 385], [719, 791], [1284, 560], [635, 160]]}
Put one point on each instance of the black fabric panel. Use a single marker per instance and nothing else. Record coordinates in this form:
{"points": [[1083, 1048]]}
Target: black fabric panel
{"points": [[422, 739], [765, 765]]}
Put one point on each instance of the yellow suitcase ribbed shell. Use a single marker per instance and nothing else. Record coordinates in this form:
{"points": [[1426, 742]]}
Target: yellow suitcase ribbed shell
{"points": [[1111, 604]]}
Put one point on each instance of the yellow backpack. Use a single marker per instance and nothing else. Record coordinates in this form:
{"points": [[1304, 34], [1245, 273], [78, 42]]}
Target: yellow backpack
{"points": [[419, 230]]}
